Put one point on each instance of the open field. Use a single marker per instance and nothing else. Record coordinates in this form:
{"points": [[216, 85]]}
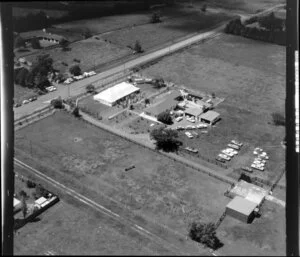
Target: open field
{"points": [[252, 6], [92, 162], [153, 35], [265, 236], [69, 228], [250, 75], [91, 52]]}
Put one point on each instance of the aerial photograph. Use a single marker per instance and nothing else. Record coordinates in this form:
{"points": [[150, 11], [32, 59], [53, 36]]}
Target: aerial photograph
{"points": [[149, 127]]}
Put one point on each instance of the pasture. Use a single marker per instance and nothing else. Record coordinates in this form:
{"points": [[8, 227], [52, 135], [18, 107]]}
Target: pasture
{"points": [[250, 75]]}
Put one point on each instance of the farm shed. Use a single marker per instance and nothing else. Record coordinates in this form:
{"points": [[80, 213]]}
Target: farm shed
{"points": [[241, 209], [116, 93], [41, 35], [166, 105], [195, 112], [210, 117]]}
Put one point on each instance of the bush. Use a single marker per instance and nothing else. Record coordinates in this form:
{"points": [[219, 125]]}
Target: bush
{"points": [[30, 184], [165, 117], [57, 103], [90, 88], [76, 60], [137, 47], [278, 119], [75, 70], [35, 43], [205, 234], [75, 112], [40, 191], [155, 18], [204, 7]]}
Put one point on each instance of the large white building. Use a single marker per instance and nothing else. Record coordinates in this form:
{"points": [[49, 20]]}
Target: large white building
{"points": [[116, 93]]}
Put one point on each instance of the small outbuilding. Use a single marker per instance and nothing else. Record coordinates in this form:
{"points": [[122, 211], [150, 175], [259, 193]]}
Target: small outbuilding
{"points": [[241, 209], [195, 112], [210, 117]]}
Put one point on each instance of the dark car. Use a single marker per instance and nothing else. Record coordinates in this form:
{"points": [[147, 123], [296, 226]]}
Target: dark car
{"points": [[17, 105], [220, 160], [247, 169], [32, 99]]}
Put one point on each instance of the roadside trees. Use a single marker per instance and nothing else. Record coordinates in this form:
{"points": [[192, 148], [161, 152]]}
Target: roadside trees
{"points": [[158, 83], [90, 88], [64, 44], [166, 139], [19, 42]]}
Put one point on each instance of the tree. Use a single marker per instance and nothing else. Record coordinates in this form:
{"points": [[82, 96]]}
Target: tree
{"points": [[155, 18], [19, 42], [75, 112], [213, 95], [147, 101], [24, 207], [87, 34], [204, 7], [165, 117], [158, 83], [137, 47], [90, 88], [35, 43], [21, 76], [205, 234], [278, 119], [64, 44], [75, 70], [57, 103], [166, 139]]}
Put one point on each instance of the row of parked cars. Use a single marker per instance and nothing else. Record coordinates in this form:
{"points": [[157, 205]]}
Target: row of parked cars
{"points": [[260, 159], [75, 78], [228, 153], [198, 126]]}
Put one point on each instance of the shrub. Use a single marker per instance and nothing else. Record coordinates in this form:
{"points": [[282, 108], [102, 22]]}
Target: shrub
{"points": [[19, 42], [30, 184], [90, 88], [57, 103], [75, 70], [165, 117], [137, 47], [155, 18], [40, 191], [75, 112], [76, 60], [35, 43], [278, 119]]}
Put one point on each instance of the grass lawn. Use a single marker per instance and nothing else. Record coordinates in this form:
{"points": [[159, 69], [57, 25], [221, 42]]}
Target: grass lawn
{"points": [[265, 236], [154, 35], [250, 75], [69, 228], [252, 6], [91, 52], [92, 162]]}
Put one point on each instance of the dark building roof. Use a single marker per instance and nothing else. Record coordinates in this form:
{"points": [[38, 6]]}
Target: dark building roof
{"points": [[210, 116], [161, 107]]}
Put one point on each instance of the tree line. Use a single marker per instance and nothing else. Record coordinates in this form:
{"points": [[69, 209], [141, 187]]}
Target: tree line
{"points": [[272, 29]]}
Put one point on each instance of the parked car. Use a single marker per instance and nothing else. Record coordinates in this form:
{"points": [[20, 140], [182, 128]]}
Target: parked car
{"points": [[230, 150], [178, 119], [220, 159], [180, 128], [257, 167], [190, 127], [227, 153], [191, 120], [190, 149], [32, 99], [202, 126], [224, 156], [92, 73], [17, 105], [237, 143], [247, 169], [189, 135], [234, 146], [51, 88], [25, 101]]}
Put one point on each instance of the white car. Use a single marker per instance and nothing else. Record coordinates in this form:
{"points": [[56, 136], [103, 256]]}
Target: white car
{"points": [[234, 146], [227, 153], [237, 143], [257, 167], [201, 126], [25, 102], [190, 127], [51, 88], [188, 134], [68, 81], [223, 156], [191, 120], [92, 73], [178, 119]]}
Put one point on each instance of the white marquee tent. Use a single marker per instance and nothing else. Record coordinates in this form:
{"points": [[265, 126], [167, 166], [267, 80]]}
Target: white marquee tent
{"points": [[111, 95]]}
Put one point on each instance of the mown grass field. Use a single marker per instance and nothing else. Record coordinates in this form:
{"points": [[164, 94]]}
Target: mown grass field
{"points": [[70, 228], [154, 35], [91, 52], [250, 75], [92, 162]]}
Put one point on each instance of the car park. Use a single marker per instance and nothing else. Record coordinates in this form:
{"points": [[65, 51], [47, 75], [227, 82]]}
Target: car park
{"points": [[224, 156], [188, 134]]}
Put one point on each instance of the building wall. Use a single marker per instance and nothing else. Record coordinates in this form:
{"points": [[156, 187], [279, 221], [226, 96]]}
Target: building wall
{"points": [[237, 215]]}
